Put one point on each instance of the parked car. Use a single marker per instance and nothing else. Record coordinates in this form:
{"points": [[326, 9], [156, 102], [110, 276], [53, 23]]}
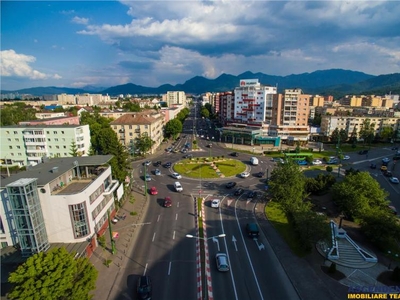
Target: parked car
{"points": [[346, 157], [244, 174], [317, 162], [209, 145], [332, 161], [157, 172], [147, 177], [252, 195], [144, 288], [147, 163], [363, 152], [373, 166], [235, 154], [167, 202], [215, 203], [230, 185], [178, 187], [157, 163], [168, 165], [153, 191], [395, 148], [302, 163], [238, 192], [222, 262], [176, 175], [394, 180]]}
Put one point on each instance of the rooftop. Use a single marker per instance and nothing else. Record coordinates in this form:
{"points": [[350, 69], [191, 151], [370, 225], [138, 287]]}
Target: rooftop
{"points": [[44, 172]]}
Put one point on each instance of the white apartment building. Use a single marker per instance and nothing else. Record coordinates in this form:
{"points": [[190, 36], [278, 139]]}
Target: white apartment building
{"points": [[63, 200], [253, 102], [349, 123], [174, 98], [25, 145]]}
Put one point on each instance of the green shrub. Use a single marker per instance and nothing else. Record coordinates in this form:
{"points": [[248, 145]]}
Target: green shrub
{"points": [[329, 169], [107, 262], [102, 241], [133, 213]]}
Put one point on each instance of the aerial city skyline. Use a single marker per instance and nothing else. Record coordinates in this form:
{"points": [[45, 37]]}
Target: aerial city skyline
{"points": [[107, 43]]}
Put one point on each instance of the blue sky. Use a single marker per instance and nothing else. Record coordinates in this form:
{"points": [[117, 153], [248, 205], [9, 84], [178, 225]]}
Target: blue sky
{"points": [[150, 43]]}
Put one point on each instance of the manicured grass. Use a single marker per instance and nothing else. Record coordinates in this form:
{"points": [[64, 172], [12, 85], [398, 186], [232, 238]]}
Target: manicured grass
{"points": [[278, 219], [197, 168]]}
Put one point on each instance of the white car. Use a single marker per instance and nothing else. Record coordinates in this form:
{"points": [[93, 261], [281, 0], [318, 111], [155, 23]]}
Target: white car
{"points": [[157, 172], [147, 177], [346, 157], [215, 203], [317, 162], [245, 174], [394, 180], [178, 187], [176, 175]]}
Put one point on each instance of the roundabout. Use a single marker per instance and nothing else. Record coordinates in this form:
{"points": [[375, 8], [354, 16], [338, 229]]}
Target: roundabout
{"points": [[209, 167]]}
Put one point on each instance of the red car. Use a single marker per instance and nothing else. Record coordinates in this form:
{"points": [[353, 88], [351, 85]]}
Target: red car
{"points": [[153, 191], [167, 202]]}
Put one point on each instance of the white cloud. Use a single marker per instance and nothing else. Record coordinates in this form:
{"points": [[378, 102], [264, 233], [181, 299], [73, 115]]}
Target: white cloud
{"points": [[78, 20], [56, 76], [15, 64]]}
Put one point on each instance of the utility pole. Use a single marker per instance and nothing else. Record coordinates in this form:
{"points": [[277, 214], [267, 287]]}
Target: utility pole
{"points": [[113, 250]]}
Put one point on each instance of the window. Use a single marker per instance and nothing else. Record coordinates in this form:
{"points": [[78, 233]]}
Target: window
{"points": [[9, 139], [15, 132], [62, 132], [49, 147], [56, 140], [7, 132], [54, 132], [47, 132], [9, 147], [49, 140], [65, 147], [63, 140], [79, 220], [18, 147], [17, 140], [57, 147], [65, 154]]}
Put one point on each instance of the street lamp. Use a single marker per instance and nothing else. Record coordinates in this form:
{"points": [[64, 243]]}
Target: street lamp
{"points": [[201, 238]]}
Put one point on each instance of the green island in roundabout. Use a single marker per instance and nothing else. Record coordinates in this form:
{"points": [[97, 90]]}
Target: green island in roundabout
{"points": [[209, 167]]}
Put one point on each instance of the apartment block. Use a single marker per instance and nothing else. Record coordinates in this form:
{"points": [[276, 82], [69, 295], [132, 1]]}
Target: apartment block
{"points": [[227, 107], [72, 120], [25, 145], [132, 126], [63, 200], [354, 124], [253, 103], [174, 98]]}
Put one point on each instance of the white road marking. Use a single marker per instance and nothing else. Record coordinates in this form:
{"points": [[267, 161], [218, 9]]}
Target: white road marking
{"points": [[177, 204], [158, 218], [176, 217], [234, 242], [229, 202], [169, 268], [154, 236], [145, 270], [173, 236]]}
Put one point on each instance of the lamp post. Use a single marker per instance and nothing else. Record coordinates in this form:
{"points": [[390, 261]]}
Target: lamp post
{"points": [[204, 270], [145, 180], [395, 256], [113, 249]]}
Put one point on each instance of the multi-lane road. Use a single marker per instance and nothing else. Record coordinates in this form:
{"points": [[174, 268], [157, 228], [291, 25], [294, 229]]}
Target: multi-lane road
{"points": [[163, 251]]}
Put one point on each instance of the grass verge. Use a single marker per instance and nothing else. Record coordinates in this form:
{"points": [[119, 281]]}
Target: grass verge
{"points": [[278, 219], [196, 168]]}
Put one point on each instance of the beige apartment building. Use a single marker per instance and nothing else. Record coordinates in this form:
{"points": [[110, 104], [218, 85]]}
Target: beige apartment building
{"points": [[370, 100], [131, 126], [290, 117], [174, 98], [350, 123]]}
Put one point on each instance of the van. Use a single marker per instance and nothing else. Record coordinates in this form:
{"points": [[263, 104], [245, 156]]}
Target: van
{"points": [[222, 262], [252, 229], [254, 161]]}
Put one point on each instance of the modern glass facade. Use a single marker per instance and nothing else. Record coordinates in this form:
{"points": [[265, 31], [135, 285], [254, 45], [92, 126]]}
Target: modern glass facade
{"points": [[28, 216], [79, 219]]}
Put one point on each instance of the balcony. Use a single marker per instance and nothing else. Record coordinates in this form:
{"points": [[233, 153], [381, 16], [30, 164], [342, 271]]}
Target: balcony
{"points": [[247, 108], [112, 187], [137, 130], [248, 100]]}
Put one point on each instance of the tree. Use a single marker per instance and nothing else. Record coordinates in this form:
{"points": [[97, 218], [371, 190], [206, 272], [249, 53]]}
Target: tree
{"points": [[317, 120], [73, 150], [367, 131], [173, 127], [335, 135], [353, 136], [343, 135], [144, 143], [358, 193], [386, 133], [205, 113], [287, 185], [14, 113], [54, 274]]}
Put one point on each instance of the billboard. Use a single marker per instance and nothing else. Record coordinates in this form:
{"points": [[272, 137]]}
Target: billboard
{"points": [[249, 82]]}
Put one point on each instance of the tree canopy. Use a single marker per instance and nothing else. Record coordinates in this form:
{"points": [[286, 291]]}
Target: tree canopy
{"points": [[54, 274], [144, 143], [173, 127], [12, 114]]}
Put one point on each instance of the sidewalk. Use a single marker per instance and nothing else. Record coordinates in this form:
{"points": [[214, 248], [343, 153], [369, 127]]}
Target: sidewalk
{"points": [[107, 275]]}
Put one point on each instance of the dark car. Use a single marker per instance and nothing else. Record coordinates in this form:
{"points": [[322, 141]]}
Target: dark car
{"points": [[252, 195], [144, 288], [235, 154], [238, 192], [373, 166], [167, 165], [230, 185], [260, 174], [363, 152], [252, 230], [395, 148], [388, 174], [157, 163]]}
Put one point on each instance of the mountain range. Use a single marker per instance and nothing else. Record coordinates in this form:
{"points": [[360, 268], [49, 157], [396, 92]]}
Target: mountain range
{"points": [[336, 82]]}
